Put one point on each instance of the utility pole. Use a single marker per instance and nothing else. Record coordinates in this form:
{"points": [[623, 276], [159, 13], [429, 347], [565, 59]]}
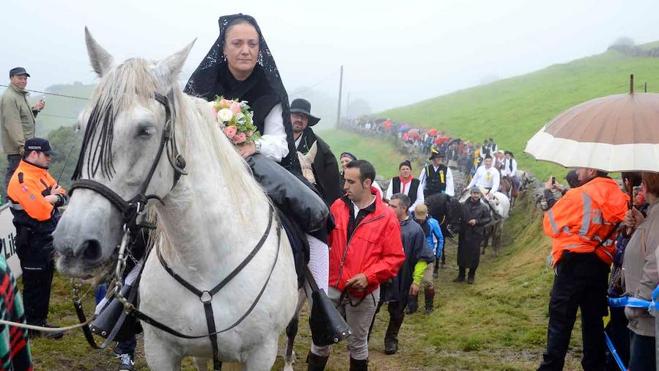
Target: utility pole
{"points": [[338, 111]]}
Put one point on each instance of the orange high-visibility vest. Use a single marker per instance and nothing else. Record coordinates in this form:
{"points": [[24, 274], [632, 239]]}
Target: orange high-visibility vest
{"points": [[583, 218], [27, 188]]}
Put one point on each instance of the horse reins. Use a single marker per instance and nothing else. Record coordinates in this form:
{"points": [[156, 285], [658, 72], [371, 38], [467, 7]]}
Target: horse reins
{"points": [[132, 210]]}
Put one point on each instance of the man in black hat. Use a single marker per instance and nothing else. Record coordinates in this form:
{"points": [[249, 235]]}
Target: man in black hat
{"points": [[436, 177], [325, 167], [34, 198], [16, 119]]}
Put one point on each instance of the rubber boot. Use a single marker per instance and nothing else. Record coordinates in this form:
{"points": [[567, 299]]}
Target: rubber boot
{"points": [[358, 364], [316, 362], [430, 297], [412, 304], [391, 336], [435, 270]]}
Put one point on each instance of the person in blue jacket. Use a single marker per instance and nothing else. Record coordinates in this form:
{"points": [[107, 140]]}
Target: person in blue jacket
{"points": [[435, 242]]}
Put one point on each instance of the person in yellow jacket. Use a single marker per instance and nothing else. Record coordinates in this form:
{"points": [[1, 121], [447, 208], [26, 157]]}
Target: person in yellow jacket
{"points": [[34, 197], [583, 225]]}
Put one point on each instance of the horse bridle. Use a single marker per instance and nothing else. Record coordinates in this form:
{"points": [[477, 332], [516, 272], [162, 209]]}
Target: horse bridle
{"points": [[131, 210], [135, 207]]}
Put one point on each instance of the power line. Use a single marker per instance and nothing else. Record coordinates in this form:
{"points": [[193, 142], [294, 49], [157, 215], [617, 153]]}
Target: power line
{"points": [[54, 94], [307, 88], [297, 91], [57, 116]]}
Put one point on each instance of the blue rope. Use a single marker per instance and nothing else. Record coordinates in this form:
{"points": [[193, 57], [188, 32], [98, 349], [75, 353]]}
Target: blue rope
{"points": [[614, 352]]}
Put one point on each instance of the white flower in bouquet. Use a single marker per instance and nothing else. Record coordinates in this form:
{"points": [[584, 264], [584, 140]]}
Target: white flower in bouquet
{"points": [[224, 115]]}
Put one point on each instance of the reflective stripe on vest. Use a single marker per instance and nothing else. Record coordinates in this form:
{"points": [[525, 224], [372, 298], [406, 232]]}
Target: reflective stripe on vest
{"points": [[587, 206], [552, 221]]}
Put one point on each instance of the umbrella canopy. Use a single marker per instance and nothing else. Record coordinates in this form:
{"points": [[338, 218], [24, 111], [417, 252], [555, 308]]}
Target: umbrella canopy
{"points": [[612, 133]]}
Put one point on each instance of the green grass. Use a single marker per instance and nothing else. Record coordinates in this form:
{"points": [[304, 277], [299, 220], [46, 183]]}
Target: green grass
{"points": [[382, 154], [512, 110]]}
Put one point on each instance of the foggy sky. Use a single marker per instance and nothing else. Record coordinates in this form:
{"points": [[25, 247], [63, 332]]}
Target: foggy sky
{"points": [[394, 53]]}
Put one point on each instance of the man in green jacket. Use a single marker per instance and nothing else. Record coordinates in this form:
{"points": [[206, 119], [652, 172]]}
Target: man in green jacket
{"points": [[16, 119]]}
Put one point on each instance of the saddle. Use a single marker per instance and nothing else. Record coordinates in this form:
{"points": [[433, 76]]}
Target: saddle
{"points": [[299, 205]]}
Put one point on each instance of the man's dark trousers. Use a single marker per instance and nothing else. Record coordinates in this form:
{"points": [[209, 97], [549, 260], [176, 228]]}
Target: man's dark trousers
{"points": [[35, 252], [580, 282], [12, 164]]}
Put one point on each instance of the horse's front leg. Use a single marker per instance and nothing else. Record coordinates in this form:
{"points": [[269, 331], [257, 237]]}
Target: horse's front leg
{"points": [[262, 357], [160, 355]]}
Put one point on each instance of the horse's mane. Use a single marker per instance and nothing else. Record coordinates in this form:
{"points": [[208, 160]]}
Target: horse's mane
{"points": [[125, 85]]}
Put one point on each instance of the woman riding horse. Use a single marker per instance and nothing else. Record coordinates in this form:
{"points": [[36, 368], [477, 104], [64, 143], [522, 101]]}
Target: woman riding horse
{"points": [[240, 66]]}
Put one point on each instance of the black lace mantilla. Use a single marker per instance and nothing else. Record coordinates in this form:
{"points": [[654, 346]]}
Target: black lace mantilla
{"points": [[212, 78]]}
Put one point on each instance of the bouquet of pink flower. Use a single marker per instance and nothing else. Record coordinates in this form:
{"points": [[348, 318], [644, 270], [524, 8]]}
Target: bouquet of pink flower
{"points": [[236, 120]]}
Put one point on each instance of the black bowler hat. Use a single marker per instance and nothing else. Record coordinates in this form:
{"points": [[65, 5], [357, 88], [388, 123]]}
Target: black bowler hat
{"points": [[39, 145], [439, 154], [18, 71], [303, 106]]}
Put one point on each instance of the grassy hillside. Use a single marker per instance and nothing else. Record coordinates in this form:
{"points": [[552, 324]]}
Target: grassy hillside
{"points": [[512, 110], [384, 157]]}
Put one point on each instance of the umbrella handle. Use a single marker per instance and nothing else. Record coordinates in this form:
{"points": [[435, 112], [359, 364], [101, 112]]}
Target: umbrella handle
{"points": [[630, 191]]}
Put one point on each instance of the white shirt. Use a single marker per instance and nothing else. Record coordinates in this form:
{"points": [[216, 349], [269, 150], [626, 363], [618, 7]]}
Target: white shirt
{"points": [[449, 180], [506, 168], [405, 189], [355, 208], [486, 178], [273, 139]]}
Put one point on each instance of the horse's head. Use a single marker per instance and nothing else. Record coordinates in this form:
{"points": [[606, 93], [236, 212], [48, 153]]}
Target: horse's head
{"points": [[454, 213], [128, 156]]}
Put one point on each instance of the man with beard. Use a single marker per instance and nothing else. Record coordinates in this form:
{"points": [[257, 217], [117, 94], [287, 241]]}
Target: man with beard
{"points": [[408, 280], [325, 167], [475, 216]]}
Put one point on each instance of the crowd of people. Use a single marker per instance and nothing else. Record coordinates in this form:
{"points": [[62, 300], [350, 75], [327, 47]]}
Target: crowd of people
{"points": [[604, 245], [381, 246]]}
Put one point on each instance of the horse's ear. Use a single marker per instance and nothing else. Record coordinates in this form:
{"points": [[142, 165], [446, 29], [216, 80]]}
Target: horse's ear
{"points": [[100, 59], [169, 68]]}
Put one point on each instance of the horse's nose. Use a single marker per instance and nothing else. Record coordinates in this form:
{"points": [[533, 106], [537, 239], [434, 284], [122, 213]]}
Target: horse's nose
{"points": [[90, 250]]}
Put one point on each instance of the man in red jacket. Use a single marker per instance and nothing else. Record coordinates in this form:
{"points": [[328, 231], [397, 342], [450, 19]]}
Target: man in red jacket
{"points": [[365, 250]]}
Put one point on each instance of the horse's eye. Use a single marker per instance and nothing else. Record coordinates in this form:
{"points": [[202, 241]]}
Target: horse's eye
{"points": [[146, 131]]}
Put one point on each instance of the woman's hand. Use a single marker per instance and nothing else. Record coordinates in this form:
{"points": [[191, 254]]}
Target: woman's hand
{"points": [[247, 149]]}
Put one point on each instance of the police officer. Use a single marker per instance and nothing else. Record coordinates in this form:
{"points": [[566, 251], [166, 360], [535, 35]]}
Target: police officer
{"points": [[436, 177], [34, 197]]}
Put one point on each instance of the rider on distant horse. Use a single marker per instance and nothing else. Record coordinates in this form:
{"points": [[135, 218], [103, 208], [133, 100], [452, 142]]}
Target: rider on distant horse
{"points": [[486, 176]]}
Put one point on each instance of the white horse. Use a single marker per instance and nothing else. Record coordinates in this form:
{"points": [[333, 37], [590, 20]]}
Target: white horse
{"points": [[208, 222]]}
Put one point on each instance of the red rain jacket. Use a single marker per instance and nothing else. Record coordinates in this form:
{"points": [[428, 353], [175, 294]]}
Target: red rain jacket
{"points": [[375, 247]]}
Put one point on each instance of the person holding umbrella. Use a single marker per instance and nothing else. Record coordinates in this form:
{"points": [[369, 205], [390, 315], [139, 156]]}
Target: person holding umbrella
{"points": [[582, 225], [613, 133]]}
